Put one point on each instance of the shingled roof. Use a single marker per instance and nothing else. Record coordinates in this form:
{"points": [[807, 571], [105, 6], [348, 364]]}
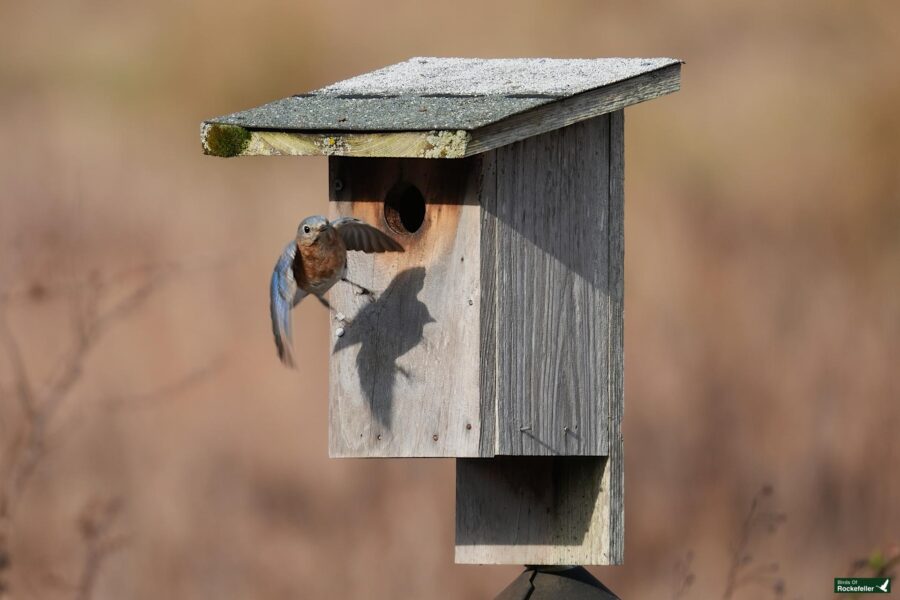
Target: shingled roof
{"points": [[441, 107]]}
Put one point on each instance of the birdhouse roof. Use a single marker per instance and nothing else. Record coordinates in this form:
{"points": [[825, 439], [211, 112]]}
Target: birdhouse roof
{"points": [[441, 107]]}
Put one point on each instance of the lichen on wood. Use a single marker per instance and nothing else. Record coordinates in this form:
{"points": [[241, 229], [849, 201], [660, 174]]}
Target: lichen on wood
{"points": [[333, 145], [446, 144]]}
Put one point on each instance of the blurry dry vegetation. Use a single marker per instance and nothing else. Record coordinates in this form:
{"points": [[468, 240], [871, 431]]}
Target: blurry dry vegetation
{"points": [[762, 317]]}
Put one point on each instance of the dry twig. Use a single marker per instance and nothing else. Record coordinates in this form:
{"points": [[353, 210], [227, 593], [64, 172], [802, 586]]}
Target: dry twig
{"points": [[95, 525], [41, 405], [744, 570]]}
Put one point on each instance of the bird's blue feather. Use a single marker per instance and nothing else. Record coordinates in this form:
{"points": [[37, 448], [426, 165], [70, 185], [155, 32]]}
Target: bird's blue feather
{"points": [[283, 296]]}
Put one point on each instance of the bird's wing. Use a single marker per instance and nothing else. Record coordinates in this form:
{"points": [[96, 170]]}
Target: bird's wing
{"points": [[283, 296], [360, 236]]}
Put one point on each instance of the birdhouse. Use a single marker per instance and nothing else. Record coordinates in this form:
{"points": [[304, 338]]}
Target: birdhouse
{"points": [[496, 337]]}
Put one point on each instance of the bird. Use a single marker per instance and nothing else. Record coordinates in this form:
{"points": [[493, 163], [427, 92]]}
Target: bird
{"points": [[312, 263]]}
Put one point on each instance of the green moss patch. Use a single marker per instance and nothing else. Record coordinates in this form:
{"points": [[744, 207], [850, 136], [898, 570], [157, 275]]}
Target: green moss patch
{"points": [[225, 140]]}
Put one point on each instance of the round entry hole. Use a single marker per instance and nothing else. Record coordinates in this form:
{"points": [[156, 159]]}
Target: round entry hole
{"points": [[404, 208]]}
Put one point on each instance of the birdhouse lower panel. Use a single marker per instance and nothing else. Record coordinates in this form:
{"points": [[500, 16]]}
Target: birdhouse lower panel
{"points": [[537, 510], [404, 371]]}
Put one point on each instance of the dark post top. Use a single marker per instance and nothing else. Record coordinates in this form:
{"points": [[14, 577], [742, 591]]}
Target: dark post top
{"points": [[441, 107]]}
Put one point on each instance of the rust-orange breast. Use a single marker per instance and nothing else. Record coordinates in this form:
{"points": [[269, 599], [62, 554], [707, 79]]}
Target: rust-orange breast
{"points": [[321, 264]]}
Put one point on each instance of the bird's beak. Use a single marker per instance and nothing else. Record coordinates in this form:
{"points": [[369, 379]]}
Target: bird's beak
{"points": [[322, 227]]}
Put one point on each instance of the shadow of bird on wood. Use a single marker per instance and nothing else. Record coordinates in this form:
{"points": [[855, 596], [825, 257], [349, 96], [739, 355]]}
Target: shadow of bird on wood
{"points": [[386, 330]]}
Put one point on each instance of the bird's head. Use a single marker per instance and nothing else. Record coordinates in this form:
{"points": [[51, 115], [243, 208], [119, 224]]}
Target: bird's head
{"points": [[310, 229]]}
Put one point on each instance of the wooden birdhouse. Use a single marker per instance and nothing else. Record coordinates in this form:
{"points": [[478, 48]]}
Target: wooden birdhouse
{"points": [[496, 337]]}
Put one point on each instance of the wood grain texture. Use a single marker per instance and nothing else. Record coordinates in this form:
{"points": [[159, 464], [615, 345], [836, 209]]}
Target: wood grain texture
{"points": [[548, 261], [615, 474], [413, 144], [487, 315], [532, 510], [404, 377], [551, 510]]}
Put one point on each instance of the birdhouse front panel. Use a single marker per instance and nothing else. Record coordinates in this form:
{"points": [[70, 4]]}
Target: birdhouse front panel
{"points": [[405, 371]]}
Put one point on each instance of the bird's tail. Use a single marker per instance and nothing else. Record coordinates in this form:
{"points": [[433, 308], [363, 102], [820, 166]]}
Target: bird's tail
{"points": [[281, 329]]}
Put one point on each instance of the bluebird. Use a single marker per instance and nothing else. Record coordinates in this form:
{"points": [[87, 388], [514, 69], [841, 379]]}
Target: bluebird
{"points": [[312, 263]]}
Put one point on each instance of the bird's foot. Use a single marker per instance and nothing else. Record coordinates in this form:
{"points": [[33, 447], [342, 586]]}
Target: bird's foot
{"points": [[361, 290]]}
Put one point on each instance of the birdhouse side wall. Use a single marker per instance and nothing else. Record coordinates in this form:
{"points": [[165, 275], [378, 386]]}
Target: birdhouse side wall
{"points": [[551, 290], [550, 510]]}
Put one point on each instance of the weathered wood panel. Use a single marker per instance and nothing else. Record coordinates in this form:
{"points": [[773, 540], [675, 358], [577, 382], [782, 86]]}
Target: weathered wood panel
{"points": [[549, 356], [404, 377], [412, 144], [488, 316], [532, 510], [615, 473], [551, 510]]}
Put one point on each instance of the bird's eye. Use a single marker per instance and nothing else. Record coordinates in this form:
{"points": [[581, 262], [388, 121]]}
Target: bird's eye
{"points": [[306, 229]]}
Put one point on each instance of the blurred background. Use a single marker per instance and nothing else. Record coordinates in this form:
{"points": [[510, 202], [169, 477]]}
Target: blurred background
{"points": [[153, 446]]}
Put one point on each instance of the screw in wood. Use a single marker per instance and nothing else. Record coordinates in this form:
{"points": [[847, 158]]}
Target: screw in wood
{"points": [[435, 437], [338, 185]]}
